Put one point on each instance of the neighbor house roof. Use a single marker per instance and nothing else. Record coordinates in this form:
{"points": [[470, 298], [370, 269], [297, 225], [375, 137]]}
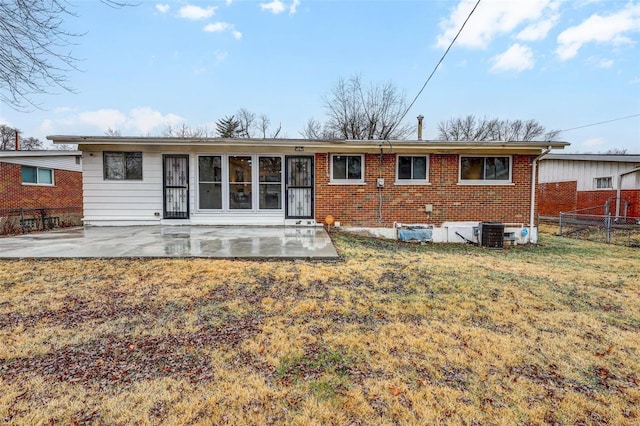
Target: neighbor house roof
{"points": [[40, 153], [615, 158], [310, 145]]}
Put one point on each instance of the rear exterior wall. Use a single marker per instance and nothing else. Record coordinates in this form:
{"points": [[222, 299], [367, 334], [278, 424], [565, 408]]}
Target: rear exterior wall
{"points": [[359, 205], [65, 192]]}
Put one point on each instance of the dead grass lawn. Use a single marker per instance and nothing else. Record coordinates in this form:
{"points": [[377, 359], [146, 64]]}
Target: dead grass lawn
{"points": [[392, 334]]}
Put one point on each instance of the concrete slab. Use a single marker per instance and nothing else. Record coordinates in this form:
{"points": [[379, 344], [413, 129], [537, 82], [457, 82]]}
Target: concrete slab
{"points": [[172, 241]]}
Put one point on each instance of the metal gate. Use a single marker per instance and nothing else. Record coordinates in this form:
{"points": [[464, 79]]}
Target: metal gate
{"points": [[299, 187], [176, 186]]}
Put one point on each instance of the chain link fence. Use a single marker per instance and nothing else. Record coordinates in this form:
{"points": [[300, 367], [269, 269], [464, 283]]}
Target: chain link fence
{"points": [[20, 221], [605, 228]]}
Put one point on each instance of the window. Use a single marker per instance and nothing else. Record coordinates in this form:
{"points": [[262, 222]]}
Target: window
{"points": [[489, 170], [603, 183], [347, 168], [412, 168], [270, 180], [210, 182], [37, 176], [240, 182], [122, 165]]}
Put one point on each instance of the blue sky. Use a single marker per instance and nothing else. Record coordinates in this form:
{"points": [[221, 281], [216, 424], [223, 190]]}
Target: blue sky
{"points": [[563, 63]]}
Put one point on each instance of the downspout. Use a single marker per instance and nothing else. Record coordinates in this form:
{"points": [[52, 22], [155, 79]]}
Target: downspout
{"points": [[534, 169], [619, 189]]}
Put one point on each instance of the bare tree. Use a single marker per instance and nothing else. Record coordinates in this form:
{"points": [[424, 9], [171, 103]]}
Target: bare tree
{"points": [[30, 144], [112, 132], [357, 112], [33, 43], [617, 151], [7, 138], [315, 130], [470, 128], [246, 120], [184, 131]]}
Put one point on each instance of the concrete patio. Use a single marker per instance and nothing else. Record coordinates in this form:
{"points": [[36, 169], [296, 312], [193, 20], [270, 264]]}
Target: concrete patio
{"points": [[172, 241]]}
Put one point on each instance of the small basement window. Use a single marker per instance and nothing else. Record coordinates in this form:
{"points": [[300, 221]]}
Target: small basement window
{"points": [[122, 165], [37, 175], [603, 183], [347, 168]]}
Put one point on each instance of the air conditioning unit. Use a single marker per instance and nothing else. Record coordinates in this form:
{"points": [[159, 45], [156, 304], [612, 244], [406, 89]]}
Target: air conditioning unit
{"points": [[491, 234]]}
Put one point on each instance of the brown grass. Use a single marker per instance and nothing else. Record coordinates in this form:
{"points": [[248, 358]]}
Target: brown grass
{"points": [[392, 334]]}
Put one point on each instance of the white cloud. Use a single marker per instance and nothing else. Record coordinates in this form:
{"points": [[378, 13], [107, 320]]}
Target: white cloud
{"points": [[600, 63], [538, 30], [220, 56], [276, 7], [491, 18], [220, 27], [593, 142], [140, 121], [517, 58], [196, 12], [103, 118], [146, 119], [294, 7], [163, 8], [610, 29]]}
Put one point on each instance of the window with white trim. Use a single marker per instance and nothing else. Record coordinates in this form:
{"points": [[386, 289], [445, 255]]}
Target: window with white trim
{"points": [[122, 165], [37, 175], [347, 168], [603, 183], [485, 169], [412, 169], [210, 182]]}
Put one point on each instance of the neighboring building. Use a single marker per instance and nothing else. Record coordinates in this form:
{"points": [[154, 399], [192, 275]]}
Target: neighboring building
{"points": [[365, 185], [35, 181], [571, 182]]}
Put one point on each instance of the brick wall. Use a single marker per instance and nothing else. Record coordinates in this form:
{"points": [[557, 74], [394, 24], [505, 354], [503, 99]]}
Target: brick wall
{"points": [[358, 205], [67, 191], [556, 197], [599, 198]]}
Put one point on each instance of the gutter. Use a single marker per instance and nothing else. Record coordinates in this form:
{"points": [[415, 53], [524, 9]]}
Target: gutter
{"points": [[619, 189], [534, 169]]}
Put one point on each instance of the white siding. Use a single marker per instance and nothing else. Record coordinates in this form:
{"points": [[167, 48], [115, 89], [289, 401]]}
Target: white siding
{"points": [[585, 172], [122, 201], [49, 162]]}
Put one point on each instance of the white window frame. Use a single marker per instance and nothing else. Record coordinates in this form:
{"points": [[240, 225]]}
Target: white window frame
{"points": [[348, 181], [223, 170], [37, 183], [255, 183], [483, 181], [596, 179], [412, 181]]}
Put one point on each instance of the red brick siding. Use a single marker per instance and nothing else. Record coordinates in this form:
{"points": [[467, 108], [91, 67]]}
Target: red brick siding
{"points": [[556, 197], [633, 196], [358, 205], [66, 192]]}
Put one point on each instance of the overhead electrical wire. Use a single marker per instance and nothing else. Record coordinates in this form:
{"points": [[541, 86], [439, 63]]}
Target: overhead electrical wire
{"points": [[439, 62], [601, 122]]}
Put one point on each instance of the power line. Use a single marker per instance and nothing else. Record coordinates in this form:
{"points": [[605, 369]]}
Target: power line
{"points": [[439, 62], [601, 122]]}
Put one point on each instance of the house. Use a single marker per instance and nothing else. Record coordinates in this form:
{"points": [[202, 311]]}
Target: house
{"points": [[38, 187], [590, 182], [373, 186]]}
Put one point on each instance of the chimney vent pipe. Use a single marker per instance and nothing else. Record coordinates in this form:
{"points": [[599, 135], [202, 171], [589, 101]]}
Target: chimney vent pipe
{"points": [[420, 117]]}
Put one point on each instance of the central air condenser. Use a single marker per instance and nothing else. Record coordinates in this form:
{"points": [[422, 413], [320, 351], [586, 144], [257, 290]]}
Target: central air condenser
{"points": [[491, 234]]}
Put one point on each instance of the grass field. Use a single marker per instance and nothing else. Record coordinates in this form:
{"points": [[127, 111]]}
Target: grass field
{"points": [[390, 334]]}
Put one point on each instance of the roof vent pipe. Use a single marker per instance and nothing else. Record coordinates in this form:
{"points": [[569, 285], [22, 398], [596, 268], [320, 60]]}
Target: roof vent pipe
{"points": [[420, 118], [17, 140]]}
